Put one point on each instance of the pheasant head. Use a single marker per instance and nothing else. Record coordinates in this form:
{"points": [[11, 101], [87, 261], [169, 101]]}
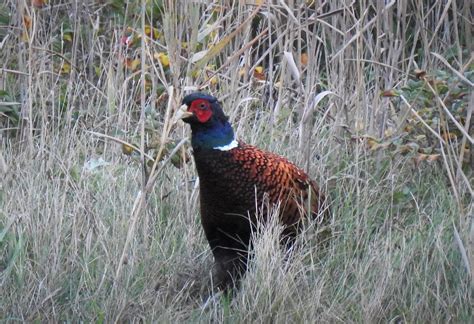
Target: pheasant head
{"points": [[209, 125]]}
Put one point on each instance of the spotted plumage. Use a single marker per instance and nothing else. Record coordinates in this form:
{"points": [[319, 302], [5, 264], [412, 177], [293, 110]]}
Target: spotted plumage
{"points": [[238, 183]]}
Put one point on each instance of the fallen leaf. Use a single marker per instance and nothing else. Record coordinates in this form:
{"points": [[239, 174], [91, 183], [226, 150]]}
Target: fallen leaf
{"points": [[389, 93], [420, 73], [426, 157], [152, 32], [127, 149], [132, 65], [407, 148], [65, 68], [259, 73], [359, 125], [389, 132], [27, 22], [214, 80], [449, 136], [38, 3], [67, 37], [304, 59], [163, 58], [372, 143]]}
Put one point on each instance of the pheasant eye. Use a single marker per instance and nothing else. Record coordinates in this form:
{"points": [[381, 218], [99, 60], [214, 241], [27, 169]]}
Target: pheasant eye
{"points": [[203, 106]]}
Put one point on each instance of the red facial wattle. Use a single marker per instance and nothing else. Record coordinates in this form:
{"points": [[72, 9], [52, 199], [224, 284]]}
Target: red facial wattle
{"points": [[201, 109]]}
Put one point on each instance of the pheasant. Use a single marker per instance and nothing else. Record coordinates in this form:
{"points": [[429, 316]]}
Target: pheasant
{"points": [[239, 184]]}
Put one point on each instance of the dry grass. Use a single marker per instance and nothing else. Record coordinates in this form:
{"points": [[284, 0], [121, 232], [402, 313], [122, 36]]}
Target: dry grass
{"points": [[86, 234]]}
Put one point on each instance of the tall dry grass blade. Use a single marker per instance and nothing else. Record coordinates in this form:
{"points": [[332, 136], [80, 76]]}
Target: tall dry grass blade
{"points": [[462, 250]]}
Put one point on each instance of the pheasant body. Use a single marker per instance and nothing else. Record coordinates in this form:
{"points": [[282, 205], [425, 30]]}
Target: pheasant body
{"points": [[238, 184]]}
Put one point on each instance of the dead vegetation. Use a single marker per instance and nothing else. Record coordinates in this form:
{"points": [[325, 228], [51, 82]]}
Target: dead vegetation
{"points": [[373, 98]]}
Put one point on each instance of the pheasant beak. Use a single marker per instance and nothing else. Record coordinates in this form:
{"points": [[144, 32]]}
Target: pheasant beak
{"points": [[182, 113]]}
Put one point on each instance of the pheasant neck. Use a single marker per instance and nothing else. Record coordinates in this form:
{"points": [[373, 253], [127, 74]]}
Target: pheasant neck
{"points": [[219, 136]]}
